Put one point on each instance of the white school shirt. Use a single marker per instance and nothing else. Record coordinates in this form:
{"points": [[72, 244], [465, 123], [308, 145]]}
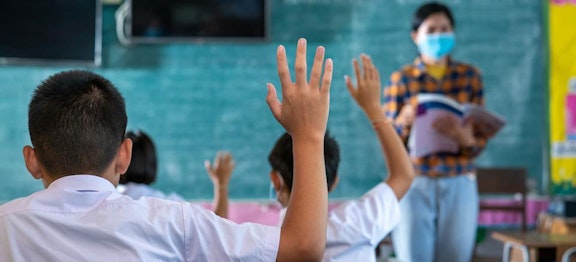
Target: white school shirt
{"points": [[136, 191], [356, 227], [84, 218]]}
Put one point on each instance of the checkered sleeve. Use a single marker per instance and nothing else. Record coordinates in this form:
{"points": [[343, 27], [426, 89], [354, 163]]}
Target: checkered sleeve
{"points": [[476, 97], [394, 94]]}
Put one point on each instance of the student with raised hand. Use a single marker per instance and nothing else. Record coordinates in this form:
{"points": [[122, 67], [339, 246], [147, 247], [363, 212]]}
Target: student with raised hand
{"points": [[356, 227], [304, 114], [220, 172], [441, 209], [142, 173], [367, 93], [77, 121]]}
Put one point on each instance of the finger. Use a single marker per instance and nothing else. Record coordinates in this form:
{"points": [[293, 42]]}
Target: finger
{"points": [[375, 72], [409, 111], [300, 64], [327, 79], [469, 121], [217, 160], [371, 67], [366, 65], [447, 121], [230, 157], [453, 119], [316, 72], [219, 155], [230, 161], [350, 87], [225, 157], [273, 102], [357, 72], [283, 70], [207, 166]]}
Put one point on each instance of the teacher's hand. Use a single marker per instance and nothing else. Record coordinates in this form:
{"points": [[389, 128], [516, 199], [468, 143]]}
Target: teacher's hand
{"points": [[451, 127]]}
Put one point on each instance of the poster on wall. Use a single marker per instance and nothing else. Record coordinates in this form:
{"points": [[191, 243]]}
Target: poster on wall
{"points": [[562, 18]]}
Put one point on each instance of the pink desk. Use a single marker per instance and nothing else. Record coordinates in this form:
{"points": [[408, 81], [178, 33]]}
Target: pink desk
{"points": [[534, 206], [268, 212]]}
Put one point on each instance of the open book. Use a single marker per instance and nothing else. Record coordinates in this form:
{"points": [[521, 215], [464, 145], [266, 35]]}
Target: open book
{"points": [[425, 140]]}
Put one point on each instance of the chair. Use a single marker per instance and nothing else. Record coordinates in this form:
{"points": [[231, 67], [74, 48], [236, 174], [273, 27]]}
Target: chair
{"points": [[568, 254], [503, 181], [508, 247]]}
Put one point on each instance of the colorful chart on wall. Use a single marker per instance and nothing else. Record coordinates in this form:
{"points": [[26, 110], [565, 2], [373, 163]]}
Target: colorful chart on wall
{"points": [[562, 18]]}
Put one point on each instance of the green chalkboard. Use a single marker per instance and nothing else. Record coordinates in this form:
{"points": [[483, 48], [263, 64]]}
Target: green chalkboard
{"points": [[197, 98]]}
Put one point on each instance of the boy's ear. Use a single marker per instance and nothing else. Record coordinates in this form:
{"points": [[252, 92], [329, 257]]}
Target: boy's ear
{"points": [[123, 157], [276, 179], [32, 162], [336, 180]]}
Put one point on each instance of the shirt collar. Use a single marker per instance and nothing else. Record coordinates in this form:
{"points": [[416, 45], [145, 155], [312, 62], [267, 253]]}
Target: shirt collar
{"points": [[282, 215], [82, 182], [420, 67]]}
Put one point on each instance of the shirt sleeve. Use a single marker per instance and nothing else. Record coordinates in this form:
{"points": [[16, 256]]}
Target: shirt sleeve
{"points": [[209, 237], [368, 219], [394, 94]]}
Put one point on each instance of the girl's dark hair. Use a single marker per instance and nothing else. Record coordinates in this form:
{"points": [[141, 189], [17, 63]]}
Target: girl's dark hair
{"points": [[142, 169], [282, 160], [428, 9]]}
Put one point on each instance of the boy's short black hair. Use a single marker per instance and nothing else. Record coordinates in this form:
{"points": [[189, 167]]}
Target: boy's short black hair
{"points": [[76, 121], [428, 9], [142, 169], [281, 159]]}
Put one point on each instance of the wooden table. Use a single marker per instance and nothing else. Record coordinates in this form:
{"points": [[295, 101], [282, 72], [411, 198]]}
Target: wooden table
{"points": [[548, 223], [540, 247]]}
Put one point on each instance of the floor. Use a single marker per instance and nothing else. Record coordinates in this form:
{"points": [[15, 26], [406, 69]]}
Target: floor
{"points": [[489, 250]]}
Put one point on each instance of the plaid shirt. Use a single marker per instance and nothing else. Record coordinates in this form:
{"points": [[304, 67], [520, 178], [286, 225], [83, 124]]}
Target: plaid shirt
{"points": [[461, 82]]}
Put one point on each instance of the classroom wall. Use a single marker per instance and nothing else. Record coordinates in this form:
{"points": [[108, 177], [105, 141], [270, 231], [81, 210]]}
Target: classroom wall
{"points": [[195, 99]]}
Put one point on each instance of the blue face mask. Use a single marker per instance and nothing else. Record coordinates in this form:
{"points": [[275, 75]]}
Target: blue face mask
{"points": [[436, 45]]}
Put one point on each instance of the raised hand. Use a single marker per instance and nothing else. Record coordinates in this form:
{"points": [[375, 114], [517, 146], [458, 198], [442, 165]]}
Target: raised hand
{"points": [[305, 104], [367, 94], [220, 171], [304, 113], [368, 89]]}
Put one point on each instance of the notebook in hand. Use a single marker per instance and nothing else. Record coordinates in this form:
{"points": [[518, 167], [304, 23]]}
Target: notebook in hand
{"points": [[425, 140]]}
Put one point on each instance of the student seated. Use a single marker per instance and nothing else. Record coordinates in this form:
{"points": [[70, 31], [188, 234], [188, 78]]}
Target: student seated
{"points": [[220, 172], [356, 227], [142, 172], [77, 120]]}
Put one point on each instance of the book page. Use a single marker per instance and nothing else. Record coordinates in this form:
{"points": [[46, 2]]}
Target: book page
{"points": [[485, 122], [424, 139]]}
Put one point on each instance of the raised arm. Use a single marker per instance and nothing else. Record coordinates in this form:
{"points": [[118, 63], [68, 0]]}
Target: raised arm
{"points": [[303, 112], [220, 172], [367, 94]]}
